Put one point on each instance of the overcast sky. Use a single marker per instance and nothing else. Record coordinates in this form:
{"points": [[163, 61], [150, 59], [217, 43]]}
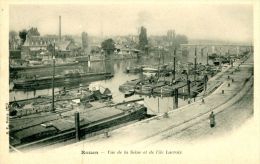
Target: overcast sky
{"points": [[197, 21]]}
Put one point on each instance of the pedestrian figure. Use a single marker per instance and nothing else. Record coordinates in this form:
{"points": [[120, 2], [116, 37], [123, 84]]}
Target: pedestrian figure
{"points": [[212, 119]]}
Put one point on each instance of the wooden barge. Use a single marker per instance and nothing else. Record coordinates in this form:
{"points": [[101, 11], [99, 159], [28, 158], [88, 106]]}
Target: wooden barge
{"points": [[35, 105], [60, 80], [165, 85], [40, 66], [39, 130]]}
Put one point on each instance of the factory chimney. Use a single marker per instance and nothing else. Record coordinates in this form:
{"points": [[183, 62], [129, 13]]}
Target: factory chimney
{"points": [[59, 28]]}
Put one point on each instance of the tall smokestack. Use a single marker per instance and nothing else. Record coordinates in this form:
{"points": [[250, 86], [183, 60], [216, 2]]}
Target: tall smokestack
{"points": [[59, 28]]}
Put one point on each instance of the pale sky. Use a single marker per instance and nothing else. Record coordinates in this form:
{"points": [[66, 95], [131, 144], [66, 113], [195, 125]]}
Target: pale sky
{"points": [[197, 21]]}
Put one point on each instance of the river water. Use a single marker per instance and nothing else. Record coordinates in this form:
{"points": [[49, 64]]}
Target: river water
{"points": [[155, 105]]}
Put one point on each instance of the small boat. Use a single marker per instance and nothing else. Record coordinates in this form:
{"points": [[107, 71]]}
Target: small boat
{"points": [[168, 90], [135, 69], [129, 93], [129, 85], [164, 91], [145, 89], [148, 71]]}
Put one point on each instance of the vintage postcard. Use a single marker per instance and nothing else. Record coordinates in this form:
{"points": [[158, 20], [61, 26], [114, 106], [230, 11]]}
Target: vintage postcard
{"points": [[129, 81]]}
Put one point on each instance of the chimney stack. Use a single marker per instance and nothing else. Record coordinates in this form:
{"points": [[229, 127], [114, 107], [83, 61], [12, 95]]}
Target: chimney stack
{"points": [[59, 28]]}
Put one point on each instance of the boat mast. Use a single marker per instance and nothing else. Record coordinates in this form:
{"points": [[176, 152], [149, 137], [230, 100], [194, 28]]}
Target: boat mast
{"points": [[163, 66], [188, 83], [159, 77], [174, 58], [207, 58], [159, 63], [195, 64], [53, 76]]}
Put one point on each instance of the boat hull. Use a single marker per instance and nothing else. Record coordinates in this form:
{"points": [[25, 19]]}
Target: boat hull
{"points": [[60, 81], [52, 136]]}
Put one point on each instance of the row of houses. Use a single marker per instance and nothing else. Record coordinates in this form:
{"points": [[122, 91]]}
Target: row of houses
{"points": [[36, 47]]}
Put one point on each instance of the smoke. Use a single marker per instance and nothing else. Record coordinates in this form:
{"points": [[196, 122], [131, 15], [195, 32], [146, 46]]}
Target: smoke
{"points": [[143, 18]]}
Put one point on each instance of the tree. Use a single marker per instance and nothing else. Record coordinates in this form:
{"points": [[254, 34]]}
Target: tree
{"points": [[143, 41], [84, 36], [22, 35], [108, 46]]}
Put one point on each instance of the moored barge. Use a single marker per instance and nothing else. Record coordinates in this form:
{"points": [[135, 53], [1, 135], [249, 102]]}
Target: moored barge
{"points": [[60, 80], [38, 130]]}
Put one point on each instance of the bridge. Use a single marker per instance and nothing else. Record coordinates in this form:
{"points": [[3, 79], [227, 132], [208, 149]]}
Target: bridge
{"points": [[218, 44], [217, 48]]}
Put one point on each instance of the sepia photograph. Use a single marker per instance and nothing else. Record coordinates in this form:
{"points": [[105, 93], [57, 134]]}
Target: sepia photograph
{"points": [[130, 80]]}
